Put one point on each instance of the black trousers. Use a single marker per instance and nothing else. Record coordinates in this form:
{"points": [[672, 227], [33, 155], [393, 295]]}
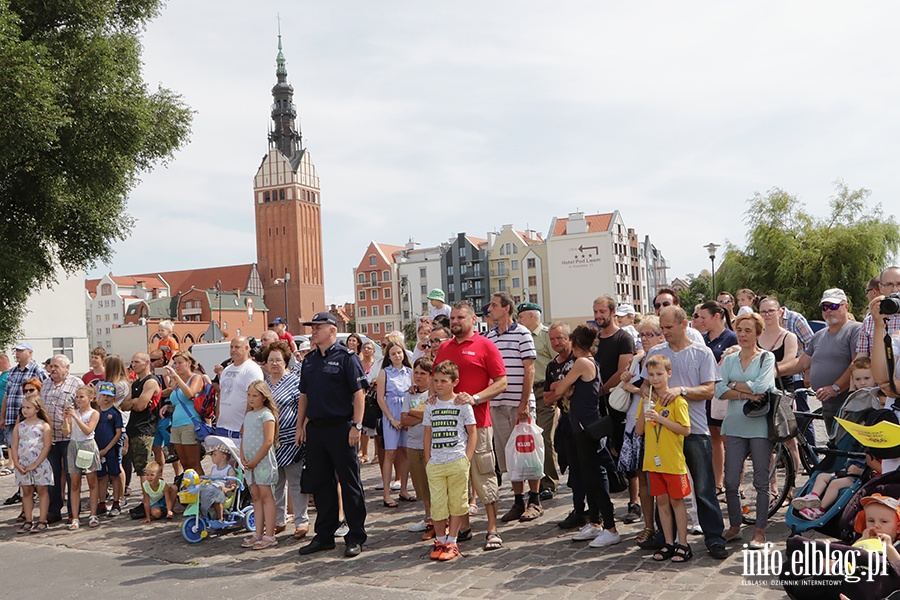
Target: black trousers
{"points": [[329, 459], [59, 466]]}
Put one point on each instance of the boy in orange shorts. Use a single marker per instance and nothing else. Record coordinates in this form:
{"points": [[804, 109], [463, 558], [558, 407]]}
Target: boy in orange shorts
{"points": [[664, 428]]}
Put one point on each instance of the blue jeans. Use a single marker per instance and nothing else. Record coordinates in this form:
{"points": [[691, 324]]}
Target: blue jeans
{"points": [[698, 455]]}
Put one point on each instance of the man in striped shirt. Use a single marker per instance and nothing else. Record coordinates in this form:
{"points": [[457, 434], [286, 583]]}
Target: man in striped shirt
{"points": [[516, 404]]}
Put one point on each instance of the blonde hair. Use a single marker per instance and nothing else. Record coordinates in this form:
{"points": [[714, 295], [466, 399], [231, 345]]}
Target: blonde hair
{"points": [[35, 399], [268, 401], [152, 466], [91, 392]]}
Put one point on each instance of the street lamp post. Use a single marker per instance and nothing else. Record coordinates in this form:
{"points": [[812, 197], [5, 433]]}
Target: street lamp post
{"points": [[283, 281], [219, 302], [711, 248]]}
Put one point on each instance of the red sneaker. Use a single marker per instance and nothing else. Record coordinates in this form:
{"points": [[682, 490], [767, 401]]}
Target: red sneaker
{"points": [[450, 552], [437, 551], [429, 532]]}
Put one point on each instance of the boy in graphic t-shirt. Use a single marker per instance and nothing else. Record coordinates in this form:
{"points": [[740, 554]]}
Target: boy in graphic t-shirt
{"points": [[450, 441], [664, 428]]}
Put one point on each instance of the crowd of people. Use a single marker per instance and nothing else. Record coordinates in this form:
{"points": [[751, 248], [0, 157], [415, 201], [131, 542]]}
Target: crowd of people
{"points": [[655, 405]]}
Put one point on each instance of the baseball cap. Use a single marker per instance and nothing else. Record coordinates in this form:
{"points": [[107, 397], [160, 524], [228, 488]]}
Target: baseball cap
{"points": [[321, 318], [529, 306], [436, 294], [835, 295], [624, 309], [278, 321], [891, 503], [24, 346], [106, 388]]}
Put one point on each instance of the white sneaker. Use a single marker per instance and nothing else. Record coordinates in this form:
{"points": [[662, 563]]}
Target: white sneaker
{"points": [[695, 530], [379, 486], [418, 527], [588, 532], [605, 538], [395, 486], [342, 530]]}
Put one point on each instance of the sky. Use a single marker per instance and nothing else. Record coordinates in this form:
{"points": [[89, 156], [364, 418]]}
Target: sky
{"points": [[425, 119]]}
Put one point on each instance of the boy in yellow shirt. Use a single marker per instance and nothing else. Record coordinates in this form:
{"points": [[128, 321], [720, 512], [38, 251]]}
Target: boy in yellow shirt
{"points": [[664, 428]]}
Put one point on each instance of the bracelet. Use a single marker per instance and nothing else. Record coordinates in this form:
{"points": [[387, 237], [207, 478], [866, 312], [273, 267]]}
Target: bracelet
{"points": [[740, 395]]}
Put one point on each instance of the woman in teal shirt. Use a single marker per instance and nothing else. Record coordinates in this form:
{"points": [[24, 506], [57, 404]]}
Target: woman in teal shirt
{"points": [[186, 383], [746, 375]]}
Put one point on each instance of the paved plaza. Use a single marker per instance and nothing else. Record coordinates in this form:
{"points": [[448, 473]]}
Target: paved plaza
{"points": [[124, 558]]}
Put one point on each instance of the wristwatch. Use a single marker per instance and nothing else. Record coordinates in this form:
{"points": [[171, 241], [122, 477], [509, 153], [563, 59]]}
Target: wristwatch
{"points": [[683, 393], [357, 426], [836, 388], [476, 399]]}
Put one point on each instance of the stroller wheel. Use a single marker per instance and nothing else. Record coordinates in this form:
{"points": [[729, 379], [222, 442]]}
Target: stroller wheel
{"points": [[193, 530], [250, 520]]}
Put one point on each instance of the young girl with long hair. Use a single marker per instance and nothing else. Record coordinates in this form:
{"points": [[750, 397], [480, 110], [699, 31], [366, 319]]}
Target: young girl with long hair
{"points": [[31, 443], [83, 419], [258, 440]]}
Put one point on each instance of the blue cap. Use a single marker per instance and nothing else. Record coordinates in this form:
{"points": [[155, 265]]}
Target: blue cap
{"points": [[106, 388]]}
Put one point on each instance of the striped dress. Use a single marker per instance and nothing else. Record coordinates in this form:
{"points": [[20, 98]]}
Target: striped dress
{"points": [[287, 394]]}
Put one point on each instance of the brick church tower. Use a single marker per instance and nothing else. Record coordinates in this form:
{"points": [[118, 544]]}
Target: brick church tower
{"points": [[288, 215]]}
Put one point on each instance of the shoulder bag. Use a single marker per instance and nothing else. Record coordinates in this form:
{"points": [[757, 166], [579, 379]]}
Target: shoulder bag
{"points": [[781, 418]]}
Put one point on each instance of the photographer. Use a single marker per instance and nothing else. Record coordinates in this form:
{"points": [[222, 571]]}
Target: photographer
{"points": [[883, 309], [888, 283]]}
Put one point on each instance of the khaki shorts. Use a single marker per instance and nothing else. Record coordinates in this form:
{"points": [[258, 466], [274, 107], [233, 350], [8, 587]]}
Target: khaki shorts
{"points": [[418, 474], [449, 483], [184, 435], [484, 479], [140, 449]]}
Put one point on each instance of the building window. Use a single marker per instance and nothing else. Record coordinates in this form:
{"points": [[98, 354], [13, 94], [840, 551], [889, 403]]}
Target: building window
{"points": [[362, 311], [362, 295], [375, 311], [449, 269], [106, 317], [360, 278], [424, 290], [385, 275], [375, 294], [387, 309], [106, 290], [530, 263], [532, 280], [516, 299], [422, 273], [386, 293], [462, 269], [451, 288], [372, 261], [107, 331], [363, 328], [509, 248], [515, 283], [501, 285], [515, 265], [502, 250], [515, 249], [376, 327], [281, 194], [373, 277], [108, 344], [462, 251]]}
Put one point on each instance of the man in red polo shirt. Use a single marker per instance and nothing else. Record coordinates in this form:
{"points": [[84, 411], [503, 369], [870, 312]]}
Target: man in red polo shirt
{"points": [[482, 376]]}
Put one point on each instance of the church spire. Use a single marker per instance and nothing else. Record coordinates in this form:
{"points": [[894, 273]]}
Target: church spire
{"points": [[285, 135]]}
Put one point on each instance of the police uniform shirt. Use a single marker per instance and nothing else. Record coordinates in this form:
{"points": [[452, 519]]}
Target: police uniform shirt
{"points": [[330, 381]]}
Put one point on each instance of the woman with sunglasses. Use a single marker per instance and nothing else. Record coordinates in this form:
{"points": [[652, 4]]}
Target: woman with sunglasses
{"points": [[718, 337], [727, 302]]}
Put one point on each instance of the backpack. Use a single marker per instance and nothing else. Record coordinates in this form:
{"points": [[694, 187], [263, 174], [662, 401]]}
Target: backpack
{"points": [[205, 401]]}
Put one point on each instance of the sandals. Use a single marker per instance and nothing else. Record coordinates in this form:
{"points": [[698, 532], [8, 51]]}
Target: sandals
{"points": [[250, 541], [665, 552], [40, 526], [74, 525], [94, 521], [391, 504], [464, 536], [681, 554], [408, 498], [645, 534], [493, 541], [25, 527], [21, 517], [265, 542], [4, 472]]}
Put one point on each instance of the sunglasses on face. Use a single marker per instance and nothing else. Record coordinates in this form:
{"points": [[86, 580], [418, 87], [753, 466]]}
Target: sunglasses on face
{"points": [[826, 306], [30, 391], [696, 316], [658, 305], [726, 301]]}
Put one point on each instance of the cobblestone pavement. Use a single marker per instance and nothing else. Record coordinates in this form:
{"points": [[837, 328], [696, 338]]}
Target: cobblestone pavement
{"points": [[538, 559]]}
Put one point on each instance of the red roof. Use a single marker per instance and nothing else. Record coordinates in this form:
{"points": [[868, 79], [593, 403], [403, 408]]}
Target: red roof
{"points": [[389, 250], [232, 277], [595, 223], [151, 282]]}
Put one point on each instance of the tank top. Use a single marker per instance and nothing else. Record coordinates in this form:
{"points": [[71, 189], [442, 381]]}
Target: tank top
{"points": [[143, 422], [158, 493], [77, 434], [584, 404], [786, 381]]}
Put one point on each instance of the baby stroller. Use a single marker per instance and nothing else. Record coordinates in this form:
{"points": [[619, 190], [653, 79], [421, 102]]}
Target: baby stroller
{"points": [[238, 511], [843, 447]]}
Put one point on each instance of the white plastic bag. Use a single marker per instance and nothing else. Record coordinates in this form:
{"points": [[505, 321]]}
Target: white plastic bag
{"points": [[525, 452]]}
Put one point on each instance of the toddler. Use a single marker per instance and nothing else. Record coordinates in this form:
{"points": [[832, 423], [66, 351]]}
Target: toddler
{"points": [[828, 486], [31, 442], [450, 441], [212, 493], [159, 496], [108, 435], [664, 428], [880, 519]]}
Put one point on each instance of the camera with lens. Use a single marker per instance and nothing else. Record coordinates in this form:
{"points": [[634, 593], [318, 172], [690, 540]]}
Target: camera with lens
{"points": [[890, 305]]}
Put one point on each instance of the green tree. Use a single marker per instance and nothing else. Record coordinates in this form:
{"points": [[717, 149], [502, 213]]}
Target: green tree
{"points": [[796, 256], [78, 128], [698, 291]]}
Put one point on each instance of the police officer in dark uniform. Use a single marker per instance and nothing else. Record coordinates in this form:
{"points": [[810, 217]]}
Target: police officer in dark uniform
{"points": [[332, 396]]}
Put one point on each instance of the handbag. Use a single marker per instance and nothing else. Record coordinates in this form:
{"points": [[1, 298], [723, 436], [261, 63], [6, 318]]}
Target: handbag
{"points": [[84, 459], [601, 428], [782, 420], [758, 408], [615, 478], [371, 411], [620, 400]]}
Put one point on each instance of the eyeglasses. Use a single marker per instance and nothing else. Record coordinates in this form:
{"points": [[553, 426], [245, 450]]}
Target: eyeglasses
{"points": [[30, 391], [876, 290], [696, 316], [658, 305], [766, 313], [650, 334], [726, 301], [826, 306], [888, 284]]}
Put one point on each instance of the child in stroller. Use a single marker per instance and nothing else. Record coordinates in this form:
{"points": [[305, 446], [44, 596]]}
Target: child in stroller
{"points": [[214, 490], [828, 486]]}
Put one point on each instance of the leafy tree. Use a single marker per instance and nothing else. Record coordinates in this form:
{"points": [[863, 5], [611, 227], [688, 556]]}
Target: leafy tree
{"points": [[410, 335], [796, 256], [78, 127], [698, 291]]}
